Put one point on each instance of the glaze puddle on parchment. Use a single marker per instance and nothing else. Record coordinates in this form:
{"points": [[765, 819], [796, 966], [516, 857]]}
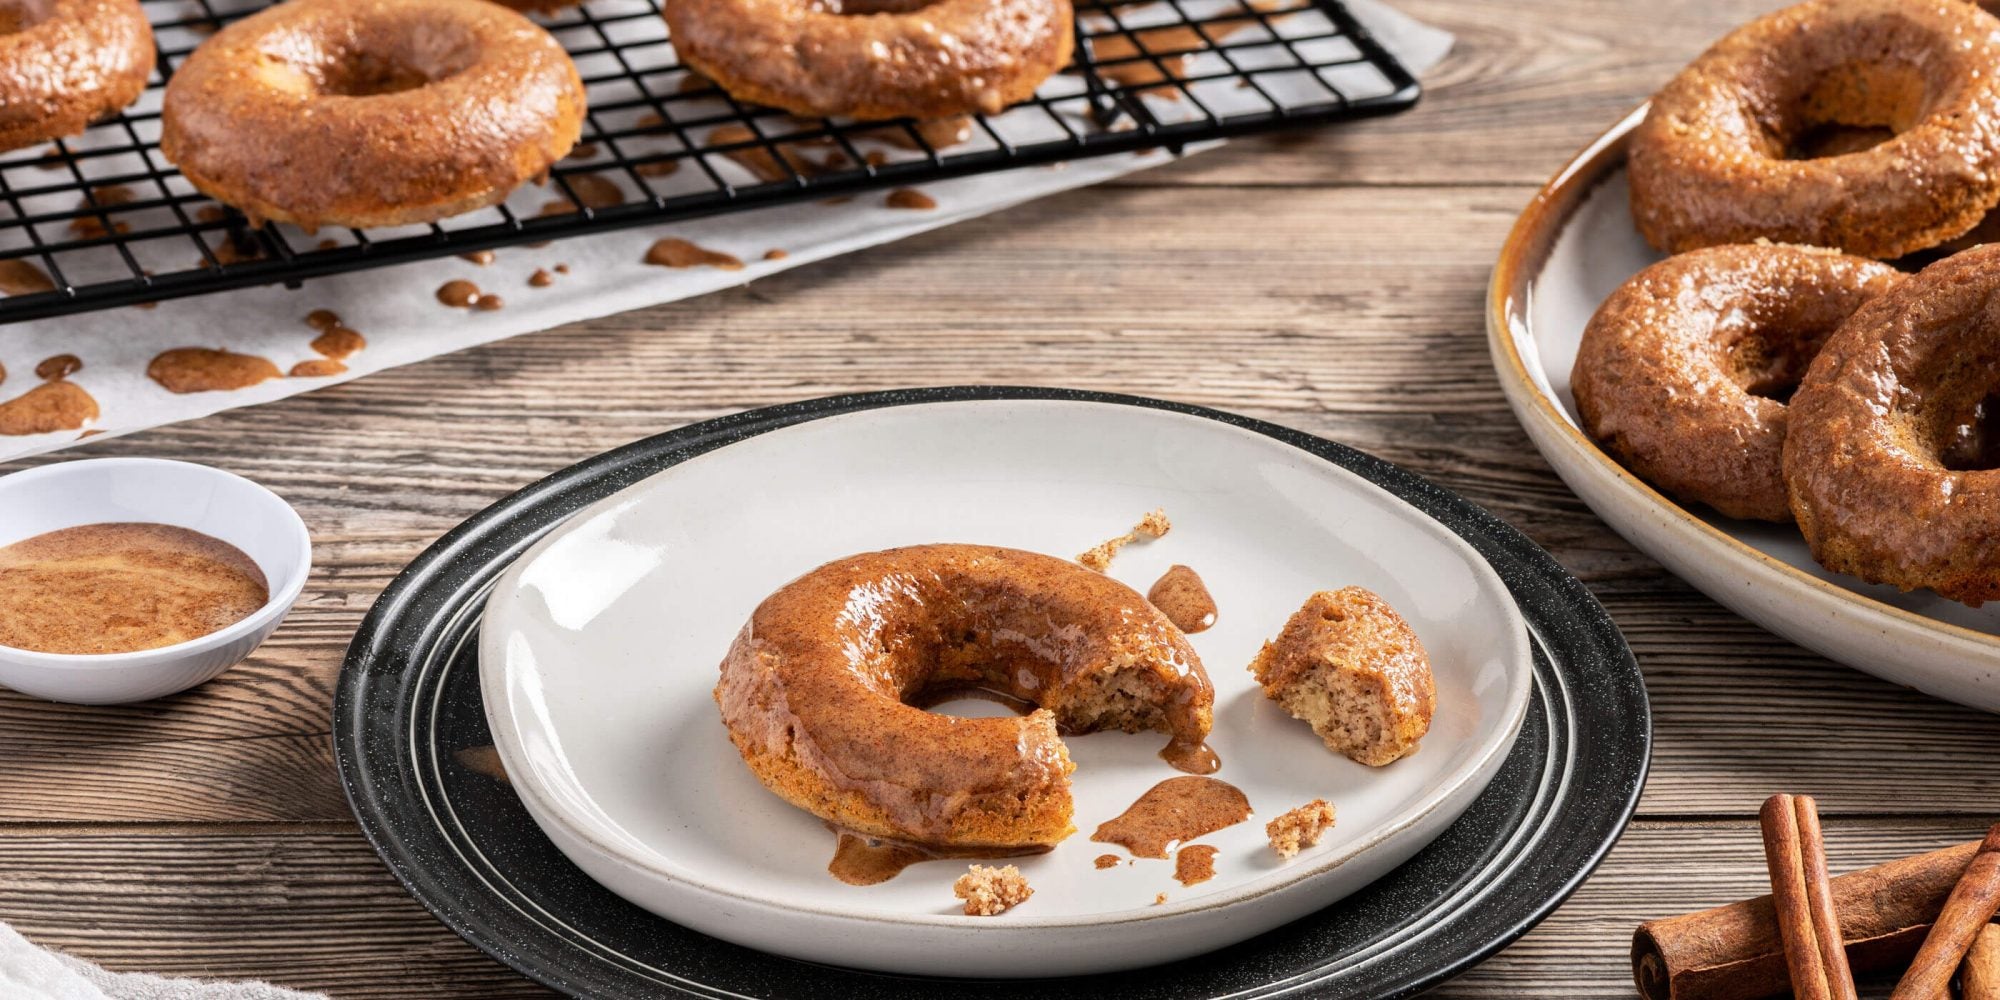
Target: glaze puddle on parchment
{"points": [[1174, 811], [675, 252], [910, 198], [202, 369]]}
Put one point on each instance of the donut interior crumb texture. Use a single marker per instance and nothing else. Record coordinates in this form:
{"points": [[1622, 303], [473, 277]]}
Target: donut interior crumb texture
{"points": [[1347, 664], [989, 891], [1299, 828], [1153, 525]]}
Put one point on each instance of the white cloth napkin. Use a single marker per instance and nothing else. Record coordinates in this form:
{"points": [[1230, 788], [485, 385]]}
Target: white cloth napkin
{"points": [[29, 973], [397, 311]]}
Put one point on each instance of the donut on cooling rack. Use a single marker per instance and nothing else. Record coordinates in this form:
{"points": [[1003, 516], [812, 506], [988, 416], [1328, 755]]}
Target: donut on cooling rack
{"points": [[1892, 453], [1683, 371], [371, 112], [1727, 153], [874, 59], [67, 63]]}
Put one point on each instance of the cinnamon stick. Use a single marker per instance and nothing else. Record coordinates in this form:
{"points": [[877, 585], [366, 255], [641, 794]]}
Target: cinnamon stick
{"points": [[1973, 902], [1979, 977], [1784, 853], [1734, 952]]}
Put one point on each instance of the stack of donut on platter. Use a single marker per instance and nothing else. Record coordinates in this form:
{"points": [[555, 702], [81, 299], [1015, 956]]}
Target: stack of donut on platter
{"points": [[1776, 368], [389, 112]]}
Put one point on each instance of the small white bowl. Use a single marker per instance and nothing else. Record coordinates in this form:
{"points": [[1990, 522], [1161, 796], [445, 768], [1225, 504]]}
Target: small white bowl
{"points": [[216, 503]]}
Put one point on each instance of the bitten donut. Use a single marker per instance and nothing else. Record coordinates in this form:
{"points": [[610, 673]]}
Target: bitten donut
{"points": [[815, 690], [1683, 371], [1718, 158], [371, 112], [67, 63], [874, 59], [1882, 479]]}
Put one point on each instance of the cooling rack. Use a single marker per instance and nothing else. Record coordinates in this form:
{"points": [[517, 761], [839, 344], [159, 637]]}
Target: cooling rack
{"points": [[103, 220]]}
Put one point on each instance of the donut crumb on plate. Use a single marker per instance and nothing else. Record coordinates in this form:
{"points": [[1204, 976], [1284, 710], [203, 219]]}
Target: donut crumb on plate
{"points": [[989, 891], [1300, 828], [1153, 525], [1350, 666]]}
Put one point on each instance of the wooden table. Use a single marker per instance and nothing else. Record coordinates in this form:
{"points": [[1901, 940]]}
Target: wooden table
{"points": [[1331, 280]]}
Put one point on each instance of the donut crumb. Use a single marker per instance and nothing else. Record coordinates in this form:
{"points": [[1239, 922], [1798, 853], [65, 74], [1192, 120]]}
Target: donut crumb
{"points": [[1299, 828], [1153, 525], [991, 891]]}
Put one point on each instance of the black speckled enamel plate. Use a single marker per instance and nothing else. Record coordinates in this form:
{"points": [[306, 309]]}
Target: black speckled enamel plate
{"points": [[408, 707]]}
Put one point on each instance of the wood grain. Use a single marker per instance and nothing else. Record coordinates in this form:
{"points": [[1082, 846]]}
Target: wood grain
{"points": [[1331, 281]]}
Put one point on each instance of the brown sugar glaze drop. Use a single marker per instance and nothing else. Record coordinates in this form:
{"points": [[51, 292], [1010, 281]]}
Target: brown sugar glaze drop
{"points": [[759, 161], [317, 368], [1174, 811], [673, 252], [323, 319], [910, 198], [488, 303], [118, 587], [1194, 863], [938, 133], [594, 191], [338, 343], [1184, 599], [479, 257], [202, 369], [90, 227], [20, 277], [1106, 861], [862, 860], [47, 408], [458, 293], [60, 366], [541, 279]]}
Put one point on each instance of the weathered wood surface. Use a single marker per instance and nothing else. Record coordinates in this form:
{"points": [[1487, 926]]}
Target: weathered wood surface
{"points": [[1331, 281]]}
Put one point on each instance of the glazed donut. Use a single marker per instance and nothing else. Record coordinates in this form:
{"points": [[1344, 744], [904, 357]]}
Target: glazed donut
{"points": [[1683, 371], [1881, 479], [371, 112], [67, 63], [815, 690], [873, 59], [1717, 159]]}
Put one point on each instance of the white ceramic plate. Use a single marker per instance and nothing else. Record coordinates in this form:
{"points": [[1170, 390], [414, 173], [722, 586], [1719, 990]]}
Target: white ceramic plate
{"points": [[1570, 249], [600, 648]]}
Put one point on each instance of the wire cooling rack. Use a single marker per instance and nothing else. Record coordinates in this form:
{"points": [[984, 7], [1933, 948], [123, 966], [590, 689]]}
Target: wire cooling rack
{"points": [[104, 220]]}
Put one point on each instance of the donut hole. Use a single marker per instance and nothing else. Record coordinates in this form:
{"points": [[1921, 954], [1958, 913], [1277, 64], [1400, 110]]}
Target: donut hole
{"points": [[1850, 108], [1770, 364], [1971, 438], [19, 15], [377, 60]]}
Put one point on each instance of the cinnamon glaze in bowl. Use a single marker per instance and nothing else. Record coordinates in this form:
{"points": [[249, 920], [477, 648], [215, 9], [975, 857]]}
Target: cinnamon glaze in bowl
{"points": [[218, 504]]}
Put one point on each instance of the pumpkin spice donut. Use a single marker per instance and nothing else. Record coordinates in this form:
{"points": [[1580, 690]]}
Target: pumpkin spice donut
{"points": [[371, 112], [1683, 370], [1725, 155], [1887, 473], [67, 63], [874, 59]]}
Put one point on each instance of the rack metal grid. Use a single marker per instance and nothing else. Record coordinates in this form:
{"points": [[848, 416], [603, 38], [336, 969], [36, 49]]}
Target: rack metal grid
{"points": [[103, 220]]}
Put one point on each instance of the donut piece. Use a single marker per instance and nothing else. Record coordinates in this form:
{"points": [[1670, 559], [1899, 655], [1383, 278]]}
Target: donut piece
{"points": [[1684, 370], [371, 112], [1727, 153], [872, 59], [1352, 668], [1887, 477], [815, 690], [67, 63]]}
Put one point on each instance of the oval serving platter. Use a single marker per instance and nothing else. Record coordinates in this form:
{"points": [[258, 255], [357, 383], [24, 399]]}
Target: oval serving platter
{"points": [[414, 745], [1573, 245], [599, 653]]}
